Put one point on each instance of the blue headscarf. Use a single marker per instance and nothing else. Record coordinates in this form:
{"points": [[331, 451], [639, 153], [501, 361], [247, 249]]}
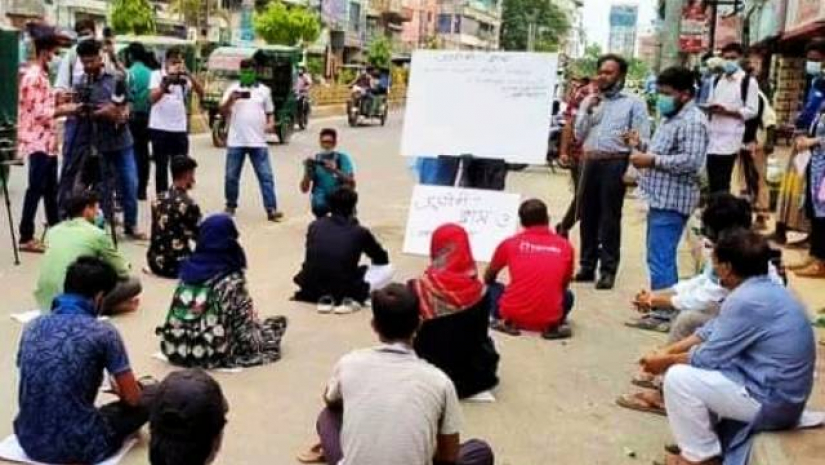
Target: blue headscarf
{"points": [[217, 254]]}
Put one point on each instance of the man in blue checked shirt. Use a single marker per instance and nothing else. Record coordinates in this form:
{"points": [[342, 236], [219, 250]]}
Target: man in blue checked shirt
{"points": [[669, 172], [603, 123]]}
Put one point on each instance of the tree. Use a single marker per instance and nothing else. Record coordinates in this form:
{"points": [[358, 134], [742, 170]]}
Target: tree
{"points": [[132, 17], [545, 18], [279, 24], [190, 10], [380, 52], [586, 65]]}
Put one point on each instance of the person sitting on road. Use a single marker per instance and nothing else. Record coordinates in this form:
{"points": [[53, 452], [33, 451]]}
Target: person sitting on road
{"points": [[187, 419], [330, 274], [76, 237], [540, 265], [175, 219], [328, 171], [212, 322], [62, 358], [387, 406], [752, 367], [454, 335]]}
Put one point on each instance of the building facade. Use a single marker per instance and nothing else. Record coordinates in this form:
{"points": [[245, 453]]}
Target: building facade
{"points": [[624, 18], [468, 24]]}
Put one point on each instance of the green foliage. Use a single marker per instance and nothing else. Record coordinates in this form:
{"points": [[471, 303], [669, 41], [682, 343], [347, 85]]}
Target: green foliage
{"points": [[380, 52], [315, 65], [550, 22], [279, 24], [587, 65], [132, 17]]}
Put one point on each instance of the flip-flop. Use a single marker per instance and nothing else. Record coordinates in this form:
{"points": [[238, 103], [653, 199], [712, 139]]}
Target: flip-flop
{"points": [[314, 455], [646, 383], [638, 403], [504, 327], [649, 324], [32, 247]]}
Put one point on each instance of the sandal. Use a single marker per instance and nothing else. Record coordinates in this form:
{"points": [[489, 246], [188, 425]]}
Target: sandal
{"points": [[314, 455], [649, 324], [641, 402], [32, 246], [505, 327], [647, 381], [677, 459]]}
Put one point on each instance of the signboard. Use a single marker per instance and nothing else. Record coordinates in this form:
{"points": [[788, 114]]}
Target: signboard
{"points": [[804, 12], [767, 21], [488, 216], [694, 31], [728, 28], [486, 104]]}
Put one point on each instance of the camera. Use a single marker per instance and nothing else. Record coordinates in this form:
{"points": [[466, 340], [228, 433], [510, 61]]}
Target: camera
{"points": [[176, 79], [243, 94]]}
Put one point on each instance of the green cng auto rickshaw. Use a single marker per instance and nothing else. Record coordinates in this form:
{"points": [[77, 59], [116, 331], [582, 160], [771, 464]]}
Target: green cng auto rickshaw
{"points": [[277, 68]]}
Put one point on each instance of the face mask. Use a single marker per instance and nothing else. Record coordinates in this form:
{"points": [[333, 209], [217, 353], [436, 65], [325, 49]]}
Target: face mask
{"points": [[666, 104], [731, 67], [813, 68], [248, 78]]}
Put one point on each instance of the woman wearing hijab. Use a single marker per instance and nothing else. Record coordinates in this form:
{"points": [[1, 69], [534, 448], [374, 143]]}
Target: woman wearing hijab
{"points": [[454, 334], [212, 322]]}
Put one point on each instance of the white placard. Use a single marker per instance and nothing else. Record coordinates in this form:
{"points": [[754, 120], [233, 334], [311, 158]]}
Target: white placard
{"points": [[488, 216], [485, 104]]}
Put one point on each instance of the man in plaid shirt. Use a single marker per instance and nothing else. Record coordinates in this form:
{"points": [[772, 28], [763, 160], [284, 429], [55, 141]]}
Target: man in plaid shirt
{"points": [[670, 171]]}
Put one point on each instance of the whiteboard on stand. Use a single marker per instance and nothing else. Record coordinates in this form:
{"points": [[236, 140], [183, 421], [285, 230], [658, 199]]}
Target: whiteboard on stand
{"points": [[486, 104], [488, 216]]}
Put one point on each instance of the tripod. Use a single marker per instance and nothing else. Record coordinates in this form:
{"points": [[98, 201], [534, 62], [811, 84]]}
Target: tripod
{"points": [[4, 180]]}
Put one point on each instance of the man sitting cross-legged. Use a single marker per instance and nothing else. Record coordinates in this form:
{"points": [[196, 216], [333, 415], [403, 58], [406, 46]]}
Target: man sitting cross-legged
{"points": [[753, 364], [62, 358], [387, 406], [540, 265]]}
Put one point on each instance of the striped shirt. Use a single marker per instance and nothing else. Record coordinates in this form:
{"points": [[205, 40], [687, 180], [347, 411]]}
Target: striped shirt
{"points": [[603, 128], [679, 146]]}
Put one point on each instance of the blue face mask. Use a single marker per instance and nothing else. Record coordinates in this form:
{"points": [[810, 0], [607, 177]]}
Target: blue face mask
{"points": [[731, 67], [666, 104], [813, 68]]}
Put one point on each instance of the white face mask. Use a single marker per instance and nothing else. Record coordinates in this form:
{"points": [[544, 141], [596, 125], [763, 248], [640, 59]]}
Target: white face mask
{"points": [[813, 68]]}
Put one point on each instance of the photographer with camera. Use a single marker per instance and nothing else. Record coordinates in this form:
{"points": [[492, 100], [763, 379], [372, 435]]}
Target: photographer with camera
{"points": [[101, 147], [170, 88], [327, 172]]}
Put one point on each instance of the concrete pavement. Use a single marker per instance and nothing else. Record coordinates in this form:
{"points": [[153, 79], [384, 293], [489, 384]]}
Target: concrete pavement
{"points": [[555, 401]]}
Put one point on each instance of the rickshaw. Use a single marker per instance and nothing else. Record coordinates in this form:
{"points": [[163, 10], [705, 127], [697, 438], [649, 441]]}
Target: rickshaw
{"points": [[376, 107], [276, 65]]}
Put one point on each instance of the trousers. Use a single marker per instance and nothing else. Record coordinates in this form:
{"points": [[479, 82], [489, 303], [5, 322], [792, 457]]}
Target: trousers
{"points": [[259, 156], [696, 400], [473, 452], [601, 199], [664, 231], [571, 217], [42, 185], [139, 127], [165, 146], [720, 171], [496, 290]]}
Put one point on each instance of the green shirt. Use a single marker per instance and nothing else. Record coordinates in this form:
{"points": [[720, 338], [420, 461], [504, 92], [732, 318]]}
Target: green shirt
{"points": [[139, 78], [67, 242]]}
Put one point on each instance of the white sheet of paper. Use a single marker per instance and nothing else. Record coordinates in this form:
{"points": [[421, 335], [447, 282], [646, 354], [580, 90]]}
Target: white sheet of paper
{"points": [[26, 317], [10, 450], [379, 276], [801, 161], [488, 216], [486, 104]]}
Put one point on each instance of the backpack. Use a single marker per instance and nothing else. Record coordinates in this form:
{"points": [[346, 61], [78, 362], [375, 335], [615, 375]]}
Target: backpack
{"points": [[193, 334], [752, 125]]}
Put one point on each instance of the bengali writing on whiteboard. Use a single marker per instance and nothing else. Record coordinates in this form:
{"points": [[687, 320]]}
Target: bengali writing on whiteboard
{"points": [[485, 104], [488, 216]]}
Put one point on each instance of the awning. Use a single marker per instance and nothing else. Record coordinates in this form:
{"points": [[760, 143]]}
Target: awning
{"points": [[803, 31]]}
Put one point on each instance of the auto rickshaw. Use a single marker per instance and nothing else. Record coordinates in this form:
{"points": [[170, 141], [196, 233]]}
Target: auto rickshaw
{"points": [[374, 104], [159, 45], [277, 66]]}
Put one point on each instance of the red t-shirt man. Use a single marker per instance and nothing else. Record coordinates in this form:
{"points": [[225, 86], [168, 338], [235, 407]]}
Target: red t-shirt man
{"points": [[540, 265]]}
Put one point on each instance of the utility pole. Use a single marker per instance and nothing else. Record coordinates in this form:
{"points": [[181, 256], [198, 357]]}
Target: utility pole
{"points": [[670, 32]]}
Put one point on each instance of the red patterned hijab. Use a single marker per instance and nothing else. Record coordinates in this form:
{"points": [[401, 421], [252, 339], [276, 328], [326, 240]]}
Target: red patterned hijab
{"points": [[451, 282]]}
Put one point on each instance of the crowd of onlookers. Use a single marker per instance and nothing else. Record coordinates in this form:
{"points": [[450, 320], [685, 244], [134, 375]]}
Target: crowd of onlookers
{"points": [[741, 352]]}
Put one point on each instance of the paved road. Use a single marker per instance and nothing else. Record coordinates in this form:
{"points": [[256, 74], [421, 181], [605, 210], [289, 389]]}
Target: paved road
{"points": [[555, 402]]}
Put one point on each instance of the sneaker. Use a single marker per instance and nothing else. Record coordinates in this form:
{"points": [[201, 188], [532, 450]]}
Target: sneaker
{"points": [[563, 331], [585, 276], [347, 306], [325, 305], [275, 216]]}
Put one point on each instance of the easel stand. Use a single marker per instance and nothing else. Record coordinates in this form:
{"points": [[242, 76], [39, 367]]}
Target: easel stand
{"points": [[478, 173], [4, 179]]}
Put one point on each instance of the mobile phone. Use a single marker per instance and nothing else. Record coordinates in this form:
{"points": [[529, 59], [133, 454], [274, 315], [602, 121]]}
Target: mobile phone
{"points": [[243, 94]]}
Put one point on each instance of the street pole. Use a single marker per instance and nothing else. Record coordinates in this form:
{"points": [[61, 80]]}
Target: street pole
{"points": [[670, 32]]}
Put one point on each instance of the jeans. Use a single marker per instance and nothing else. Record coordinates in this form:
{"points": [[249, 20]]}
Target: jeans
{"points": [[664, 230], [42, 185], [601, 200], [165, 146], [720, 171], [259, 156], [139, 127], [330, 423], [496, 290], [122, 163]]}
